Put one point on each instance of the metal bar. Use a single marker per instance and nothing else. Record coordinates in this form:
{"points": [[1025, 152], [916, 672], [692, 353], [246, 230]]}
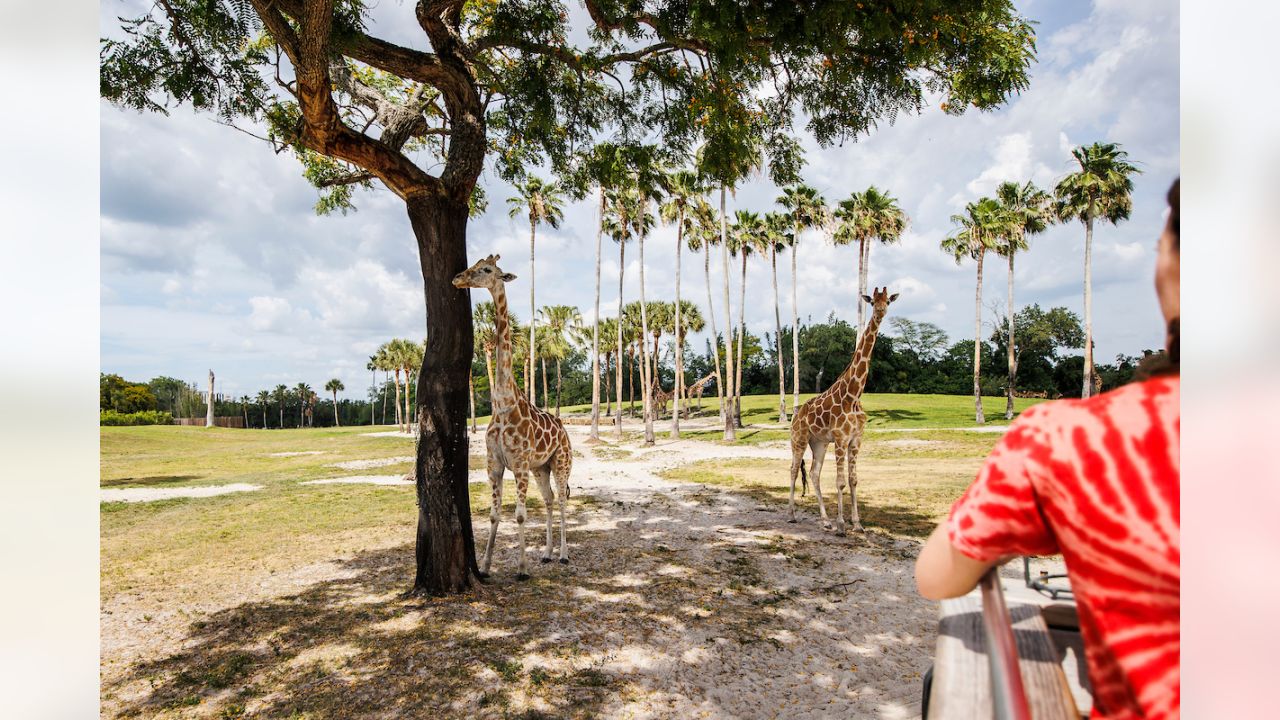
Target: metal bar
{"points": [[1008, 695]]}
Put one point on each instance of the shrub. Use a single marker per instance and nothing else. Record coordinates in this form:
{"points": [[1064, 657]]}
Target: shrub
{"points": [[146, 417]]}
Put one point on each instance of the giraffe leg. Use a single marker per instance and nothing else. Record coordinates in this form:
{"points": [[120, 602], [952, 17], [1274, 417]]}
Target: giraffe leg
{"points": [[543, 474], [522, 490], [495, 509], [562, 464], [854, 447], [815, 471], [842, 464], [797, 466]]}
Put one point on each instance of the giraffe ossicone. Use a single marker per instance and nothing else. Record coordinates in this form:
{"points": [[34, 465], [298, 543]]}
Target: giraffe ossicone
{"points": [[836, 416], [521, 436]]}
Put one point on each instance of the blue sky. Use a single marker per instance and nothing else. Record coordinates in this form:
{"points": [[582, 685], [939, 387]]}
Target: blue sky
{"points": [[212, 256]]}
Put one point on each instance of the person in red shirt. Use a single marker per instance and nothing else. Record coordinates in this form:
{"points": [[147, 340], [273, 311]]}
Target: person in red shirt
{"points": [[1096, 480]]}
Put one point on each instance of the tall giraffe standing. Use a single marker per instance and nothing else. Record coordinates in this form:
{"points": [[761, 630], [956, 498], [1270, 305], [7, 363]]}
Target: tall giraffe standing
{"points": [[697, 388], [837, 416], [520, 435]]}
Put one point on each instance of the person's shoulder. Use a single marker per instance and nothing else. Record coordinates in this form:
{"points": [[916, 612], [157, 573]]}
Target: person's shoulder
{"points": [[1155, 395]]}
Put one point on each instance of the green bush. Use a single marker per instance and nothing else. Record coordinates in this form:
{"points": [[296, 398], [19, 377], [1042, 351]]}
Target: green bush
{"points": [[146, 417]]}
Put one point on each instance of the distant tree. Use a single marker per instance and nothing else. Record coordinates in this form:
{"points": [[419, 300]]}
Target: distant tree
{"points": [[925, 339], [559, 321], [864, 217], [1030, 213], [335, 386], [281, 394], [981, 226], [264, 398], [777, 236], [684, 191], [540, 202], [303, 391], [808, 209], [1101, 189]]}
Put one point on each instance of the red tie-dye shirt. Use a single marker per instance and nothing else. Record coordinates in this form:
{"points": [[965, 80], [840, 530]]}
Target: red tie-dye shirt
{"points": [[1096, 480]]}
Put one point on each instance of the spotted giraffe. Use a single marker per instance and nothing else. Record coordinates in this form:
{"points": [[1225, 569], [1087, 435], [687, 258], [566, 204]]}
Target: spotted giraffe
{"points": [[521, 436], [836, 416], [661, 399], [695, 390]]}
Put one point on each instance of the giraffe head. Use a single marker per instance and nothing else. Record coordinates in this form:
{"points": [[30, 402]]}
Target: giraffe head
{"points": [[879, 300], [484, 274]]}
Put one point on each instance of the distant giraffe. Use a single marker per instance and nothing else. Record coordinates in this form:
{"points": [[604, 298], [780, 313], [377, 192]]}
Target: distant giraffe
{"points": [[695, 390], [520, 436], [836, 416], [661, 399]]}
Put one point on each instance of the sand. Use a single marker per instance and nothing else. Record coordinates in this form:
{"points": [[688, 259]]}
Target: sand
{"points": [[150, 494]]}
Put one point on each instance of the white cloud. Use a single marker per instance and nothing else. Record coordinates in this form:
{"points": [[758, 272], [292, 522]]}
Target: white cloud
{"points": [[271, 314]]}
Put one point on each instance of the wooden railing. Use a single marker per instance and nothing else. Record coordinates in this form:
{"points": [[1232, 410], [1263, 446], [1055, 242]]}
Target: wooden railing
{"points": [[1007, 694]]}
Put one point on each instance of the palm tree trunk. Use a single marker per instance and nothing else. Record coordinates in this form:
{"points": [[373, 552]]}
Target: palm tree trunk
{"points": [[631, 379], [282, 414], [1013, 362], [337, 422], [727, 403], [795, 327], [471, 391], [399, 422], [546, 396], [862, 285], [595, 334], [608, 368], [1087, 391], [622, 273], [742, 334], [777, 337], [715, 336], [679, 381], [264, 417], [533, 231], [558, 386], [646, 375], [977, 343]]}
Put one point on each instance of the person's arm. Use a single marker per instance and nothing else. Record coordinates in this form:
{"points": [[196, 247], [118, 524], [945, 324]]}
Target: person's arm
{"points": [[944, 572]]}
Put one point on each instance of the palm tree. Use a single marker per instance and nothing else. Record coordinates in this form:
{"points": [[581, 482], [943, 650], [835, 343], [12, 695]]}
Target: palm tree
{"points": [[618, 225], [264, 397], [866, 216], [777, 235], [1101, 189], [1029, 213], [335, 386], [304, 395], [683, 190], [541, 202], [703, 235], [747, 236], [647, 190], [560, 321], [411, 358], [808, 209], [981, 226], [281, 392], [372, 367]]}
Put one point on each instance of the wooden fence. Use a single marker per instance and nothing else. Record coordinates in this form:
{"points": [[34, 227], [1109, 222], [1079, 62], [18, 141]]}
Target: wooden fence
{"points": [[227, 421]]}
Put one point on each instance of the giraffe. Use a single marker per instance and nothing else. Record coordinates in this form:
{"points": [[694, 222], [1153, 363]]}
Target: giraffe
{"points": [[837, 416], [661, 399], [521, 436], [696, 390]]}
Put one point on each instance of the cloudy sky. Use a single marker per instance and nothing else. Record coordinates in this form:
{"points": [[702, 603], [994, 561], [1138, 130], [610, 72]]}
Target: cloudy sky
{"points": [[212, 256]]}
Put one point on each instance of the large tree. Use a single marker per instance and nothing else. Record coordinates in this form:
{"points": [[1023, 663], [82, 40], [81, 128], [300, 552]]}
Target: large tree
{"points": [[540, 202], [777, 236], [1102, 189], [684, 190], [1029, 214], [807, 209], [335, 386], [982, 225], [504, 78]]}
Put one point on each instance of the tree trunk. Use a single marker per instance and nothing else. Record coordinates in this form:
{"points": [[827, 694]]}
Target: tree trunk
{"points": [[533, 231], [742, 334], [399, 421], [546, 396], [558, 386], [208, 413], [445, 545], [795, 327], [1013, 362], [384, 398], [336, 422], [678, 390], [977, 343], [862, 288], [471, 393], [595, 334], [264, 417], [1088, 306], [622, 273], [777, 337], [646, 374], [715, 336], [727, 403]]}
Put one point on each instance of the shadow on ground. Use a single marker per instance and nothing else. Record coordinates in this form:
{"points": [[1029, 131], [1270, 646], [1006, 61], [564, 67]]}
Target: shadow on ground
{"points": [[150, 480]]}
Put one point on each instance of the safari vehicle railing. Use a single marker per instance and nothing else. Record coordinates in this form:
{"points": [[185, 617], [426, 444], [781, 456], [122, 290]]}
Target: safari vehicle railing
{"points": [[995, 660]]}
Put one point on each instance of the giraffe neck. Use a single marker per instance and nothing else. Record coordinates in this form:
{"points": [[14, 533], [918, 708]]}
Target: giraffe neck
{"points": [[504, 382], [860, 366]]}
